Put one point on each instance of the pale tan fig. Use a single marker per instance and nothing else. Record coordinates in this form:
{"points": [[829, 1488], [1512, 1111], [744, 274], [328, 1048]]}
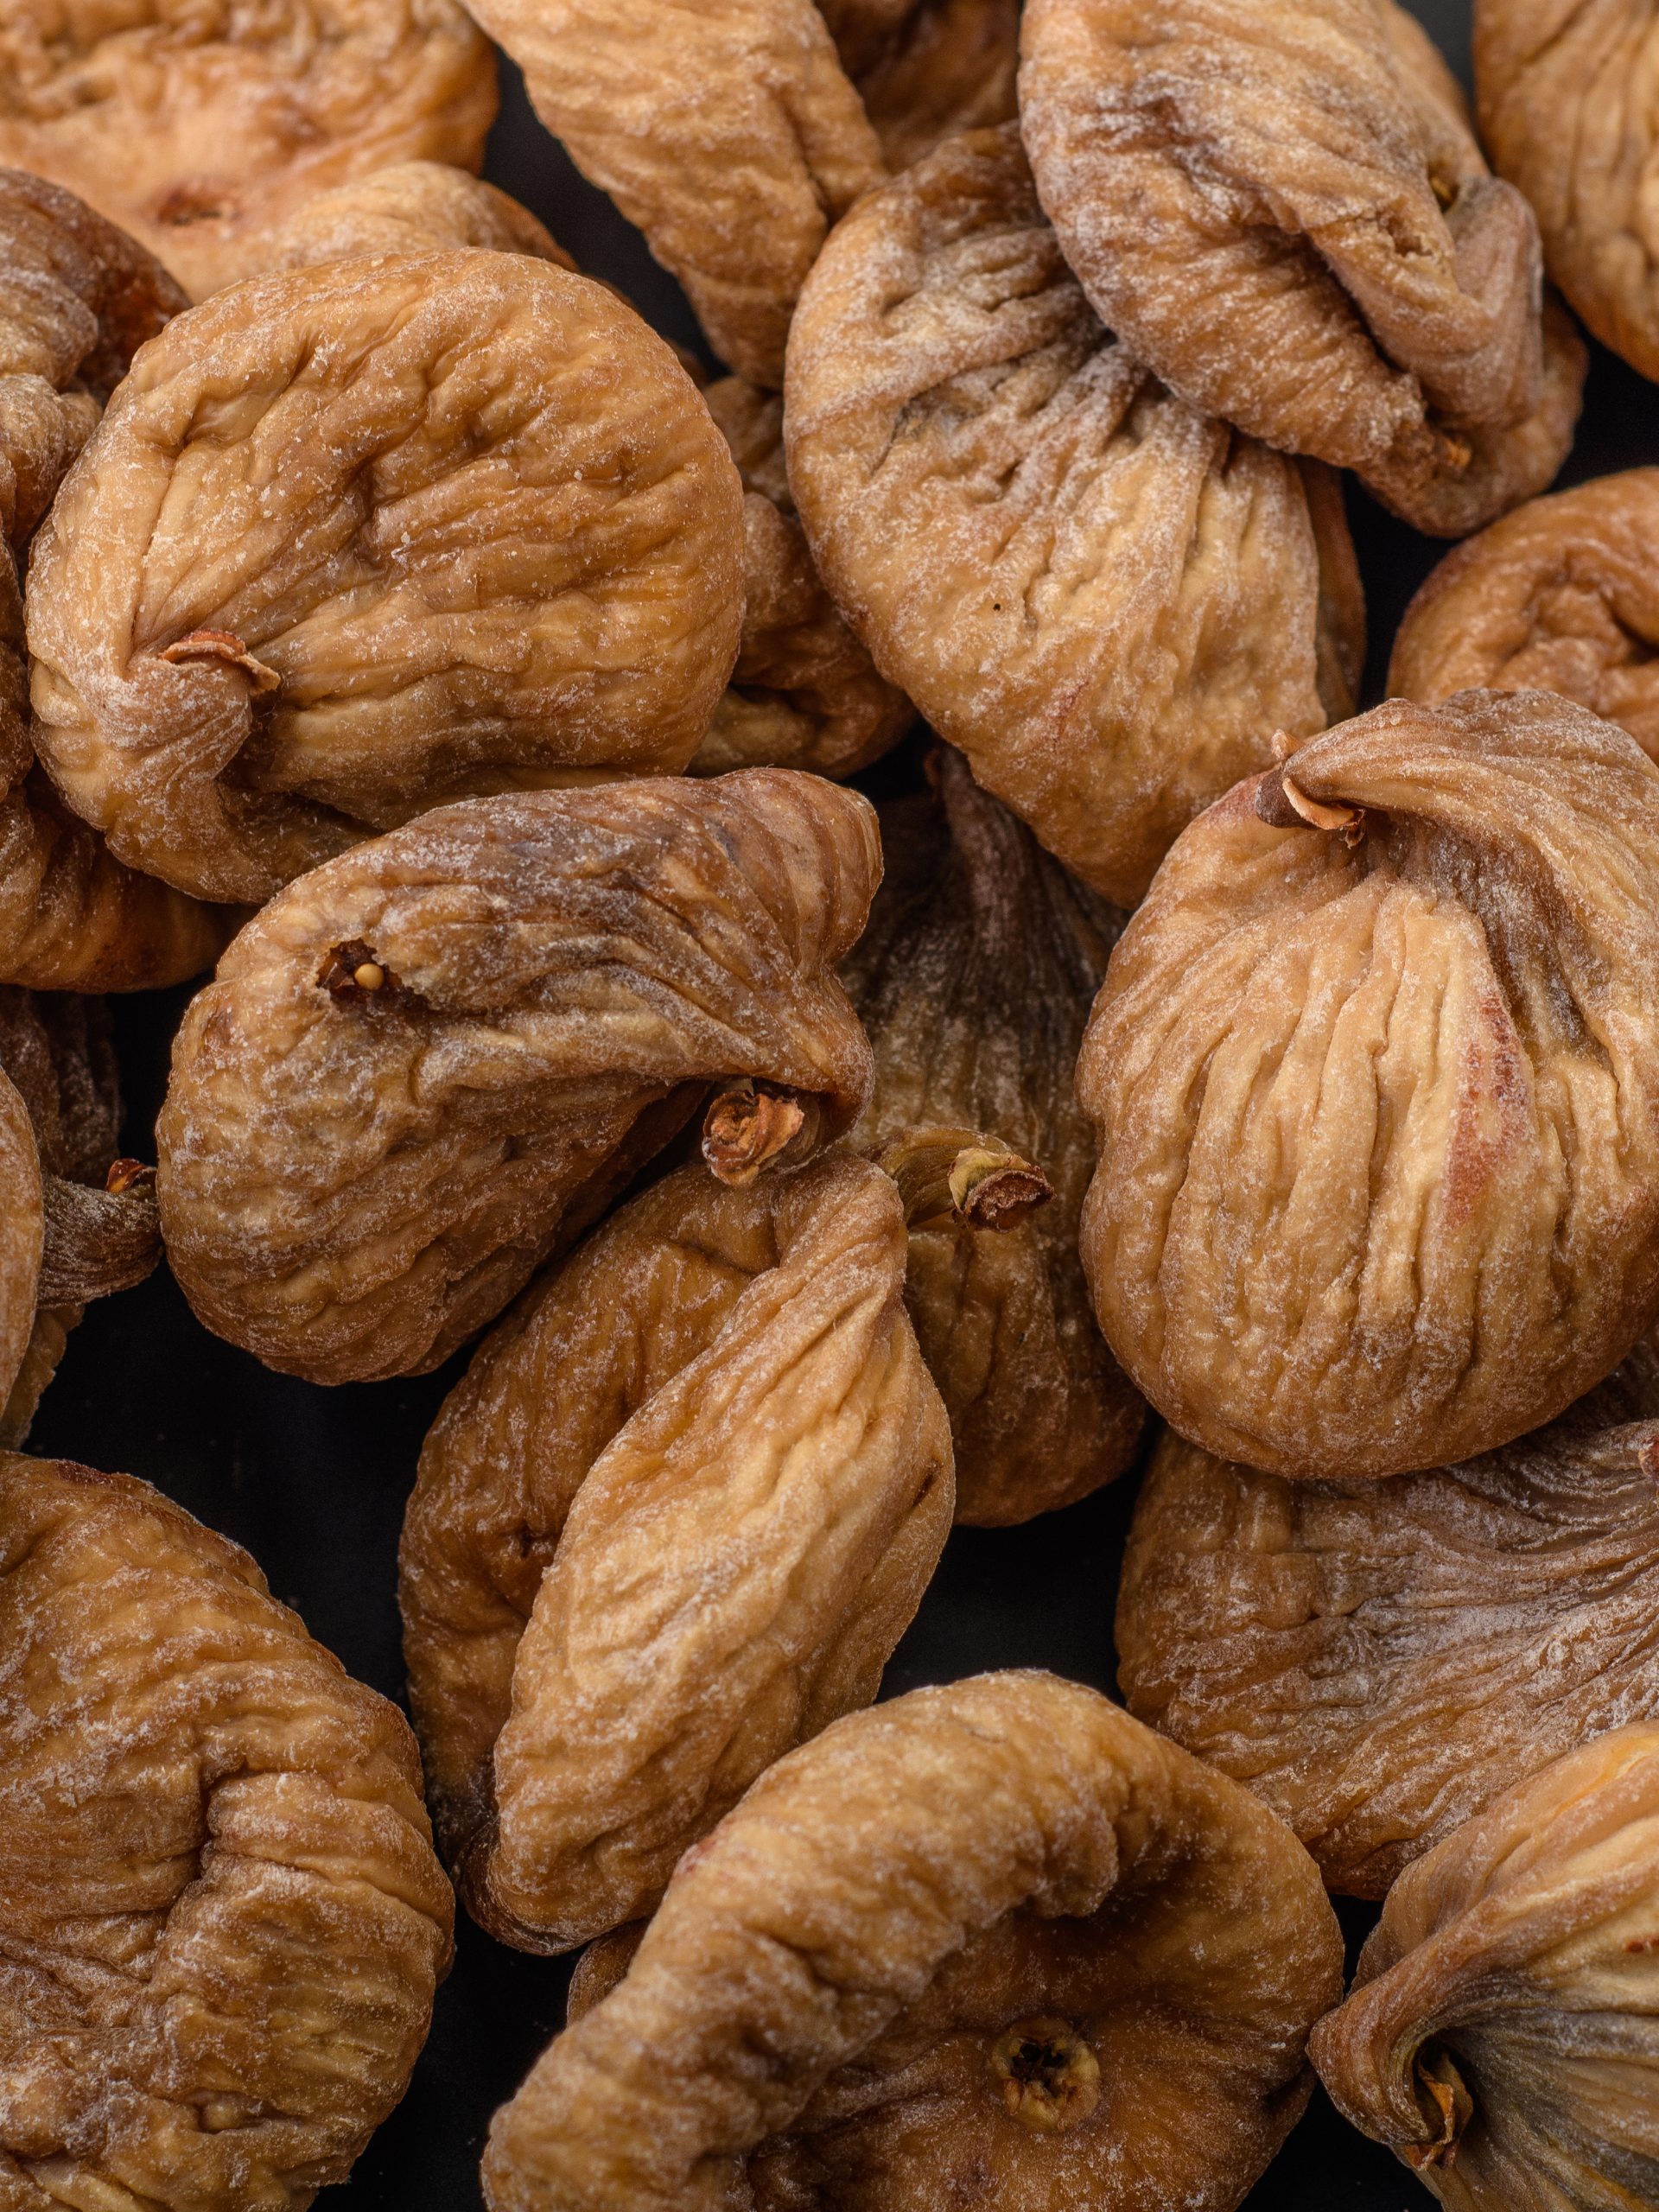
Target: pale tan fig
{"points": [[1502, 2036], [1281, 209], [973, 981], [1375, 1075], [995, 1940], [221, 1917], [1107, 601], [463, 525], [671, 1523], [425, 1068], [411, 207], [925, 69]]}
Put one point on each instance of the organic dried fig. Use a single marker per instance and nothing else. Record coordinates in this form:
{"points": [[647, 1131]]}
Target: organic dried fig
{"points": [[1502, 2036], [1375, 1081], [199, 130], [671, 1523], [221, 1917], [974, 982], [1559, 596], [1283, 211], [411, 208], [804, 693], [426, 1066], [1107, 601], [993, 1941], [1378, 1661], [355, 539], [925, 69]]}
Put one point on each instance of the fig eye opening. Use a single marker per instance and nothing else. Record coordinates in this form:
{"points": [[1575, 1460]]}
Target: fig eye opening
{"points": [[1048, 2072]]}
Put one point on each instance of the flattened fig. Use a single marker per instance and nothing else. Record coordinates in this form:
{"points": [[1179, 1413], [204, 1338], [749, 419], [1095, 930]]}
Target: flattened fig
{"points": [[429, 1064], [995, 1940], [672, 1522], [1378, 1097]]}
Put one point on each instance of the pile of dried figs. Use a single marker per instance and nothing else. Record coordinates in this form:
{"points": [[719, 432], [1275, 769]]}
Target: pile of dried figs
{"points": [[828, 919]]}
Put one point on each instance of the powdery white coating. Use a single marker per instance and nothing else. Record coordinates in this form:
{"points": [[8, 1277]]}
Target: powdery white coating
{"points": [[1106, 600], [1502, 2036], [725, 129], [925, 69], [671, 1523], [409, 207], [417, 526], [1283, 211], [1379, 1120], [199, 130], [811, 2011], [351, 1185], [221, 1917]]}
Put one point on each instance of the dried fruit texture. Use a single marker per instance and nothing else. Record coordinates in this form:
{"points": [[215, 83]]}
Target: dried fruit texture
{"points": [[804, 693], [996, 1940], [1559, 596], [1283, 211], [411, 208], [199, 132], [356, 539], [725, 130], [1501, 2036], [671, 1523], [220, 1915], [1379, 1661], [1107, 601], [1377, 1093], [927, 68], [974, 982], [423, 1068]]}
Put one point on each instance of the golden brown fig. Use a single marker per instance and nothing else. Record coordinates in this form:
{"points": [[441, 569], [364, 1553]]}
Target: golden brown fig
{"points": [[461, 525], [1502, 2036], [1563, 595], [991, 1941], [1282, 210], [221, 1917], [199, 131], [973, 981], [1375, 1075], [424, 1068], [672, 1522], [1108, 601], [925, 69], [1379, 1660], [411, 208]]}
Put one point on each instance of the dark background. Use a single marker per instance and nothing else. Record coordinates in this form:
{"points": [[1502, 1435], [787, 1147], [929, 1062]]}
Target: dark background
{"points": [[313, 1481]]}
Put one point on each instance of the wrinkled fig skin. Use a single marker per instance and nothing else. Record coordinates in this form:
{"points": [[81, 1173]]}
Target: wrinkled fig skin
{"points": [[1283, 211], [925, 69], [411, 208], [671, 1523], [881, 1914], [200, 130], [1378, 1661], [23, 1237], [353, 540], [1108, 601], [221, 1920], [736, 178], [1502, 2036], [974, 982], [354, 1179], [804, 693], [1563, 595], [1378, 1103]]}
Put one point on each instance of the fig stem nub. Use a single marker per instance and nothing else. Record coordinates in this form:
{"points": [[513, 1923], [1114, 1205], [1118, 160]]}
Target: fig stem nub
{"points": [[745, 1126], [957, 1176]]}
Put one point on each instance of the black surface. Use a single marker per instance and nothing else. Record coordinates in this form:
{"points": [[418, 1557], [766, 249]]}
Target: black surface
{"points": [[313, 1481]]}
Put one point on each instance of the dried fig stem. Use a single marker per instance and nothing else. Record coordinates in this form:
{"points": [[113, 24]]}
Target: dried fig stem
{"points": [[98, 1242], [223, 645], [1283, 804], [1452, 2105], [1630, 1449], [957, 1175], [748, 1126]]}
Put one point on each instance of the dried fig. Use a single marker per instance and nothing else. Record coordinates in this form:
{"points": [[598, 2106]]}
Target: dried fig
{"points": [[424, 1068], [1283, 211], [991, 1942], [1378, 1661], [804, 693], [1107, 601], [671, 1523], [925, 69], [974, 982], [1559, 596], [1375, 1080], [221, 1917], [411, 208], [199, 130], [1501, 2035], [355, 539]]}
